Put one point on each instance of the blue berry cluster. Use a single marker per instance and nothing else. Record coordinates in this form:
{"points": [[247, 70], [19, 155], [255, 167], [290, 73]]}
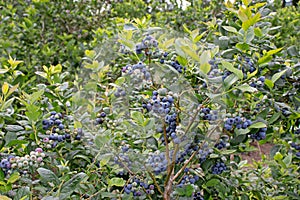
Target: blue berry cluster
{"points": [[100, 118], [139, 74], [147, 43], [204, 152], [175, 64], [285, 111], [214, 73], [160, 104], [164, 56], [157, 162], [197, 196], [238, 122], [55, 138], [188, 179], [260, 135], [250, 65], [208, 114], [220, 145], [170, 120], [138, 71], [188, 151], [123, 160], [53, 122], [137, 187], [218, 168], [258, 83], [5, 163], [226, 74], [296, 147], [120, 93]]}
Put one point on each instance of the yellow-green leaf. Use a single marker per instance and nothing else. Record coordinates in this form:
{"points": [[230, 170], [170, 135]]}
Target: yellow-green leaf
{"points": [[90, 53], [13, 62], [205, 68], [14, 177], [191, 53], [5, 88], [231, 68], [57, 69], [276, 76]]}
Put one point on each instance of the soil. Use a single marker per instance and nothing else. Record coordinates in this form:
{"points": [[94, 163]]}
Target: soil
{"points": [[262, 149]]}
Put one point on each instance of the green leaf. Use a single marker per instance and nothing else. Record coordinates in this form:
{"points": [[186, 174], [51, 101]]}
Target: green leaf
{"points": [[108, 195], [14, 128], [228, 152], [230, 80], [119, 182], [205, 57], [180, 191], [33, 112], [292, 51], [42, 74], [71, 185], [120, 81], [5, 188], [189, 189], [102, 139], [22, 194], [35, 96], [16, 143], [258, 125], [138, 117], [258, 32], [47, 176], [230, 29], [276, 76], [3, 71], [242, 131], [14, 177], [230, 68], [8, 103], [212, 182], [246, 88], [274, 117], [264, 59], [242, 46], [250, 22], [250, 35], [269, 83], [288, 160], [105, 159]]}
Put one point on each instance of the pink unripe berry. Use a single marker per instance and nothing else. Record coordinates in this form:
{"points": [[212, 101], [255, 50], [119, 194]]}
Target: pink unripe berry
{"points": [[39, 159], [39, 150]]}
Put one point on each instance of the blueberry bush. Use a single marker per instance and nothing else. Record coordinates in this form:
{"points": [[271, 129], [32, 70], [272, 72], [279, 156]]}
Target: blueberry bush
{"points": [[149, 100]]}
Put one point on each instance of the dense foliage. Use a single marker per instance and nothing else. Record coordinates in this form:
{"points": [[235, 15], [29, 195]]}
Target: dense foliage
{"points": [[148, 100]]}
